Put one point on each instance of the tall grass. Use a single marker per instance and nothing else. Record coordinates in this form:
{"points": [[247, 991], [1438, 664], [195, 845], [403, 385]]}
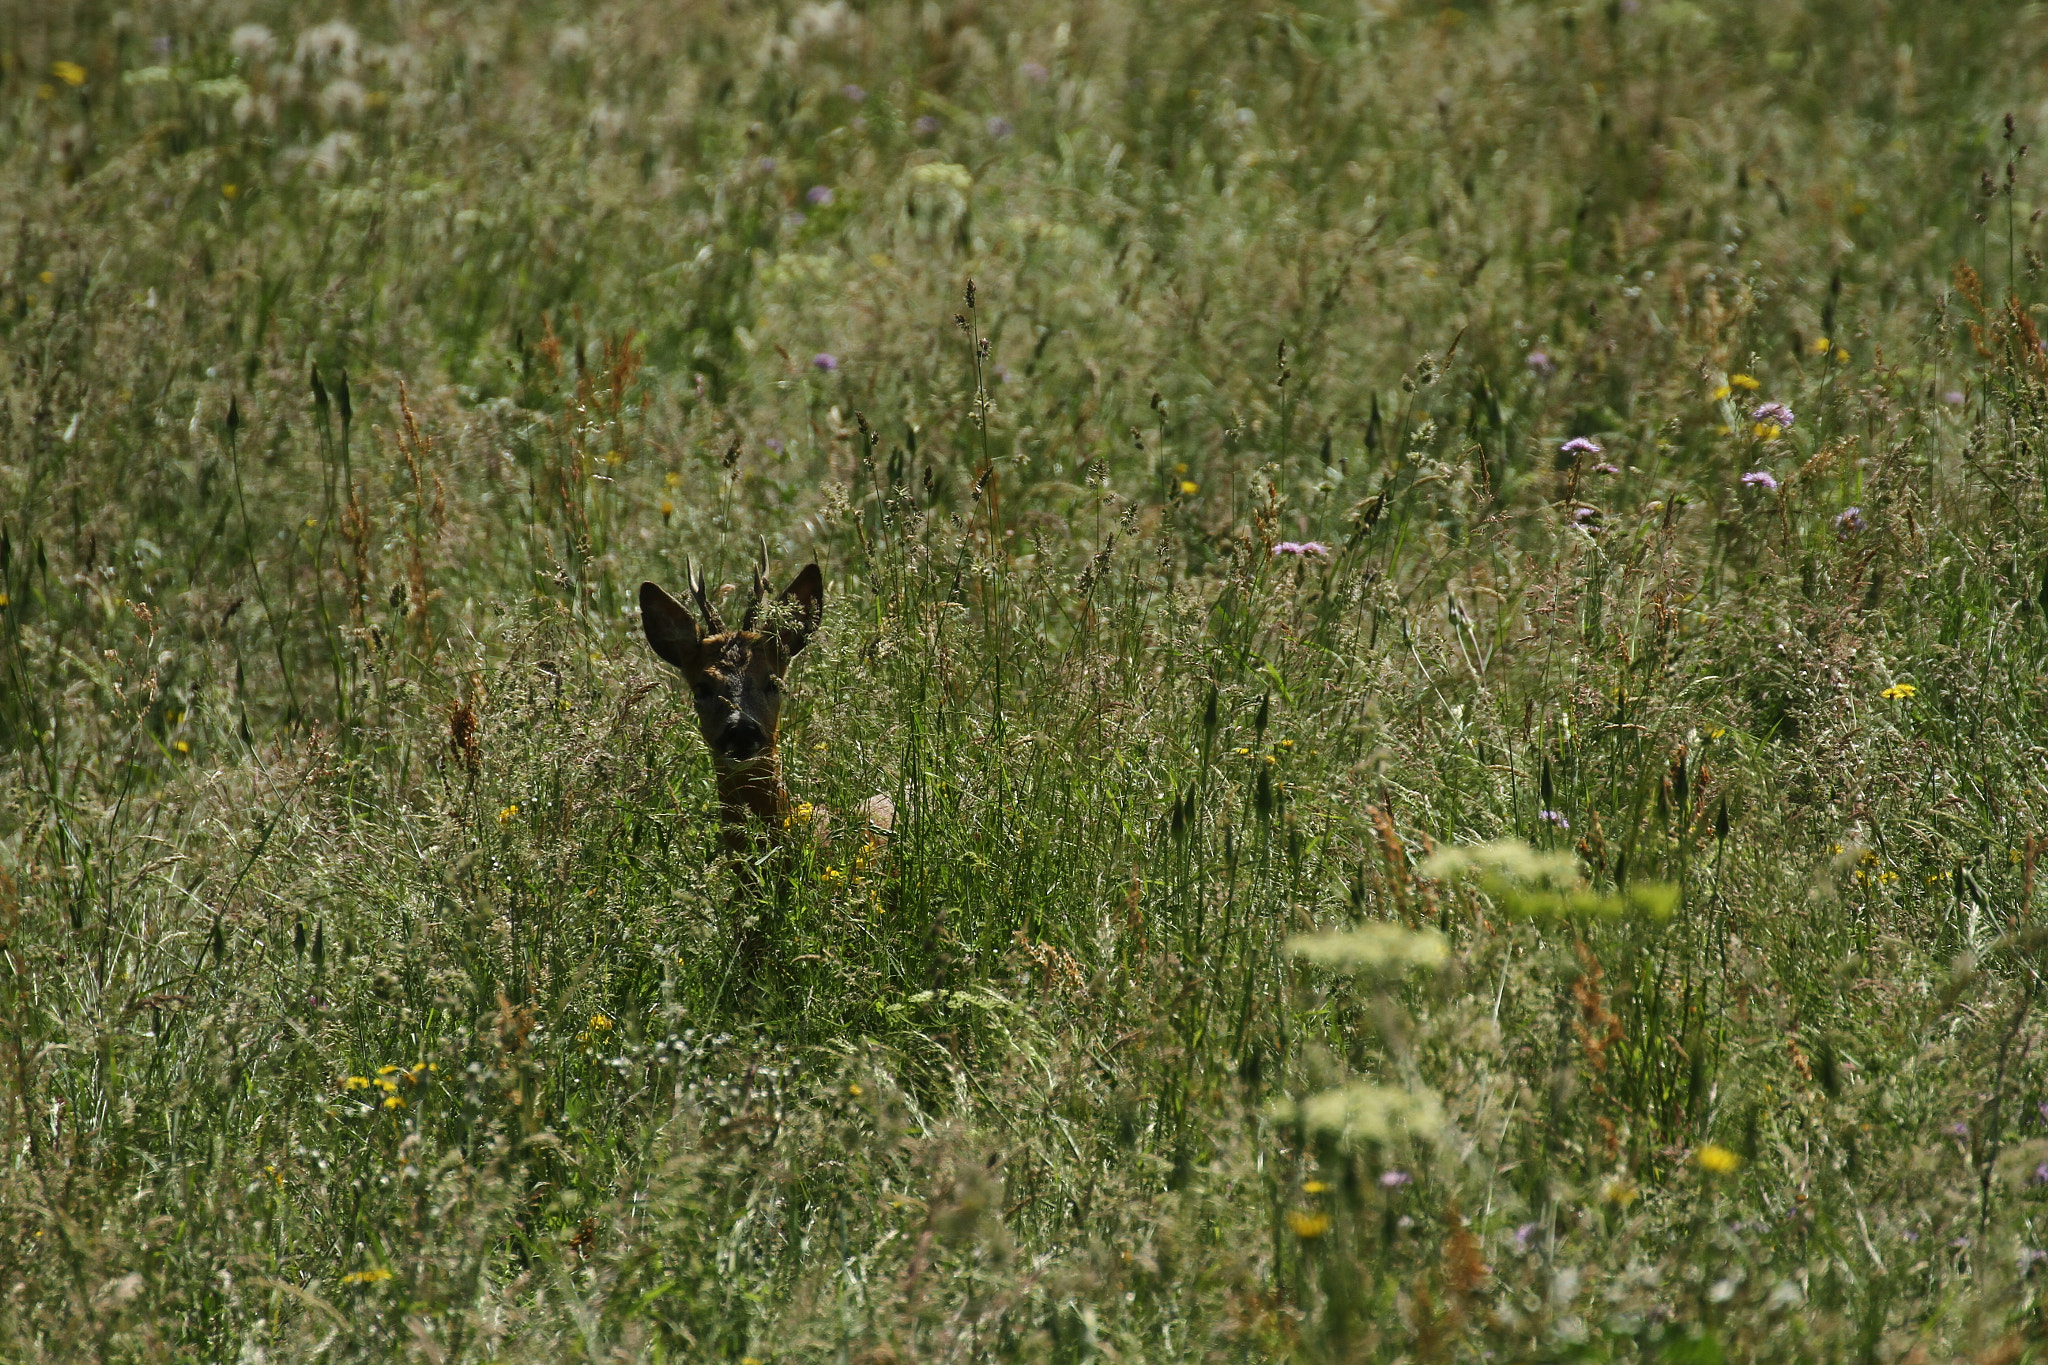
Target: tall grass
{"points": [[1182, 404]]}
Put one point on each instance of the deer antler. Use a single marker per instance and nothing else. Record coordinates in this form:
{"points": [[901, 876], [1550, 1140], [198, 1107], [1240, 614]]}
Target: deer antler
{"points": [[712, 625], [760, 588]]}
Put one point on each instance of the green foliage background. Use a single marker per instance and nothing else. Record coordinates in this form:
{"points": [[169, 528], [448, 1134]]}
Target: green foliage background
{"points": [[369, 984]]}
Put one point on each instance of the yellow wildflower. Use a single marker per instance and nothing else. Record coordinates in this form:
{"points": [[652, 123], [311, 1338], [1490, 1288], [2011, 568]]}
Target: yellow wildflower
{"points": [[356, 1083], [376, 1275], [598, 1021], [1821, 345], [71, 73], [1899, 692], [1315, 1187], [1619, 1191], [1743, 381], [509, 814], [48, 277], [668, 509], [1306, 1225], [182, 746], [854, 1090], [672, 479], [393, 1102], [1765, 431], [1721, 391], [1716, 1160], [4, 599], [230, 190], [1189, 487]]}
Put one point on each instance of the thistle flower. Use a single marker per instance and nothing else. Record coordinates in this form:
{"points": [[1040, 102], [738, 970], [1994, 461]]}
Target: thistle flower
{"points": [[1773, 415], [1759, 478], [1579, 445]]}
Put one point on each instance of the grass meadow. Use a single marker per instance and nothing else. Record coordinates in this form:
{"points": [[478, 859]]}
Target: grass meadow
{"points": [[1457, 615]]}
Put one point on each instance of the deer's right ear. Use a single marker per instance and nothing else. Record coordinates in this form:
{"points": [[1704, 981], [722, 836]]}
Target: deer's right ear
{"points": [[671, 630]]}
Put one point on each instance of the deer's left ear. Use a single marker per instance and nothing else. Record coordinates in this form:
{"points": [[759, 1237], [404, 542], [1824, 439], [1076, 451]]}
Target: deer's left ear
{"points": [[670, 629], [804, 603]]}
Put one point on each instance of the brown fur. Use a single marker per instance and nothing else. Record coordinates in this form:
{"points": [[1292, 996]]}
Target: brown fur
{"points": [[736, 677]]}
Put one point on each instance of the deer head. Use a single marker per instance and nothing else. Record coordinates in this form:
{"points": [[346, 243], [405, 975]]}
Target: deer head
{"points": [[736, 675]]}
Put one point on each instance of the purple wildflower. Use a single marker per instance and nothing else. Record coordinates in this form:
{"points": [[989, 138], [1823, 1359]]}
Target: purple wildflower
{"points": [[1850, 522], [825, 361], [1541, 364], [767, 164], [820, 195], [774, 443], [2029, 1258], [1394, 1180], [1033, 72], [161, 45], [1760, 478], [1955, 398], [1525, 1233], [853, 92], [1579, 445], [1554, 817], [2041, 1174], [1301, 549], [1959, 1129], [1587, 517], [1773, 415], [998, 127], [1604, 468], [925, 126]]}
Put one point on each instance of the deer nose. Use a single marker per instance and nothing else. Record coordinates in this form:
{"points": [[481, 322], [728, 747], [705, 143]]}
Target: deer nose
{"points": [[743, 736]]}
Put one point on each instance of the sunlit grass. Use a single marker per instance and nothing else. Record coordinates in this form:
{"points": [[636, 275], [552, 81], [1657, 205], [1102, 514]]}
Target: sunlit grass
{"points": [[1450, 598]]}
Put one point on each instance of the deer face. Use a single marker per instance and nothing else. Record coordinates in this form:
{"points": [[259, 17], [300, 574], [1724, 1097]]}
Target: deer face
{"points": [[735, 676]]}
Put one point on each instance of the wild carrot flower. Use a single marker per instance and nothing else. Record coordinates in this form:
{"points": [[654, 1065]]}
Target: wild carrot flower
{"points": [[1301, 549], [1716, 1160], [1760, 478], [1579, 445], [1899, 692]]}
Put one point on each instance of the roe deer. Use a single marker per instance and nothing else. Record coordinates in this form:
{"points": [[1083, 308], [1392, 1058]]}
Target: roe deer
{"points": [[736, 678]]}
